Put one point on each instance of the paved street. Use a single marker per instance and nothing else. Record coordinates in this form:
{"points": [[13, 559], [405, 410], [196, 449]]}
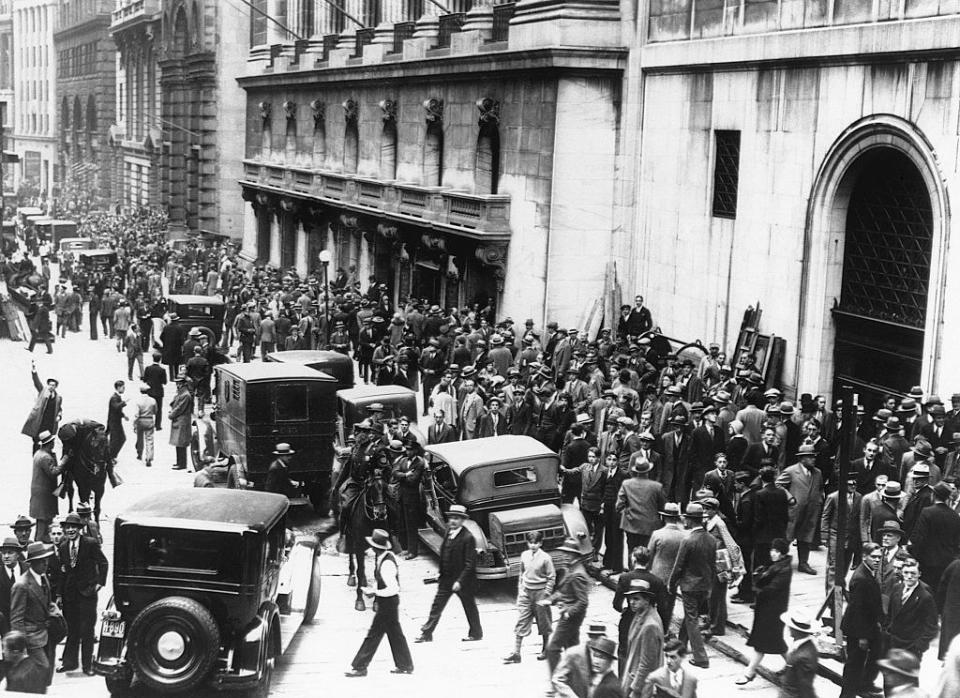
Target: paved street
{"points": [[321, 652]]}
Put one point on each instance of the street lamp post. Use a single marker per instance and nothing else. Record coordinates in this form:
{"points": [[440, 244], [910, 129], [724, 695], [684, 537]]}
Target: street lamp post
{"points": [[325, 257]]}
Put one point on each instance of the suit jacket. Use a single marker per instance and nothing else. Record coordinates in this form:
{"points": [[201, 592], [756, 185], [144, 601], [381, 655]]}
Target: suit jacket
{"points": [[796, 681], [756, 453], [664, 548], [935, 542], [807, 488], [46, 470], [6, 587], [864, 612], [771, 514], [592, 485], [441, 435], [660, 680], [914, 623], [829, 519], [639, 501], [865, 477], [644, 651], [471, 410], [458, 561], [33, 426], [722, 486], [704, 446], [696, 566], [91, 569], [30, 606], [487, 427], [676, 464]]}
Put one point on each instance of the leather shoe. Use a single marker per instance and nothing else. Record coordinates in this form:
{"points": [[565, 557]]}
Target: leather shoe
{"points": [[401, 671], [355, 673], [512, 659], [63, 668], [806, 569], [89, 672], [542, 656], [471, 638], [740, 599], [702, 665], [424, 638]]}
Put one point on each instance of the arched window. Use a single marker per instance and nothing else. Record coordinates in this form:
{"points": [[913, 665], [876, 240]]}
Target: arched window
{"points": [[351, 147], [180, 46], [197, 25], [388, 151], [486, 173], [433, 155]]}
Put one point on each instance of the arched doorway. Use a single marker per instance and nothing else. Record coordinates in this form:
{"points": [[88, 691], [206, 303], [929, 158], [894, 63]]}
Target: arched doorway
{"points": [[874, 264], [881, 315]]}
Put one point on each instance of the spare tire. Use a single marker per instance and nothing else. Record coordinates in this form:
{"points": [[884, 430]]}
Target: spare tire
{"points": [[173, 644]]}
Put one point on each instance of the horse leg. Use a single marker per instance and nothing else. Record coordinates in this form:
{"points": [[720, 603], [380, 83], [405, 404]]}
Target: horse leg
{"points": [[98, 497], [352, 578], [360, 551]]}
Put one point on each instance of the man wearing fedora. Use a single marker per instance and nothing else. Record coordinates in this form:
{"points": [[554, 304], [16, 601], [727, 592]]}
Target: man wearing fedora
{"points": [[46, 471], [407, 474], [912, 621], [83, 572], [46, 411], [577, 672], [180, 416], [935, 542], [386, 618], [278, 474], [901, 674], [638, 502], [32, 608], [891, 504], [644, 653], [458, 575], [806, 487], [663, 602], [676, 460], [10, 555], [861, 623], [802, 659], [920, 499], [829, 525], [694, 574], [570, 597]]}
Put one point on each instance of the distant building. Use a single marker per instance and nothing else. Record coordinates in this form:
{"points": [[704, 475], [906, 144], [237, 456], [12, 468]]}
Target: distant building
{"points": [[6, 84], [86, 81], [458, 157], [35, 85], [180, 115]]}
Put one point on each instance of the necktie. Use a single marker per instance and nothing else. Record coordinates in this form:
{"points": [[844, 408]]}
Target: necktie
{"points": [[73, 554]]}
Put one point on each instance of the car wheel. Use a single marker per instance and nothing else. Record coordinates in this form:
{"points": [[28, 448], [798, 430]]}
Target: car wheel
{"points": [[313, 593], [173, 644], [262, 689], [195, 456]]}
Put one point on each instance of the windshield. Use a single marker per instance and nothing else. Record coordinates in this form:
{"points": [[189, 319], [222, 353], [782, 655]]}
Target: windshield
{"points": [[212, 554]]}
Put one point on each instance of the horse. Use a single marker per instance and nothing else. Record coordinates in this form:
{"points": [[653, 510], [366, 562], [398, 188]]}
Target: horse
{"points": [[367, 511], [86, 459]]}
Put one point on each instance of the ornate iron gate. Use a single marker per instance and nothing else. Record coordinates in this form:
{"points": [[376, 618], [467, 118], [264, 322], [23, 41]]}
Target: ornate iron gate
{"points": [[886, 273]]}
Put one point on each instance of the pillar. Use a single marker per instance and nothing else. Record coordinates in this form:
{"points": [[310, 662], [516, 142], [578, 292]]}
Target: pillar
{"points": [[275, 233], [331, 245], [366, 263], [248, 248], [301, 262]]}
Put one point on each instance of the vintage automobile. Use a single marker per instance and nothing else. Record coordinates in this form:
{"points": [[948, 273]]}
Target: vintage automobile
{"points": [[509, 486], [333, 363], [352, 405], [100, 259], [202, 311], [263, 403], [54, 230], [209, 588]]}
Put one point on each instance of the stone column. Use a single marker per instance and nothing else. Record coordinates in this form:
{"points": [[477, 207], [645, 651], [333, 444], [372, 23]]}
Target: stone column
{"points": [[275, 233], [301, 262], [365, 267], [332, 246], [248, 249]]}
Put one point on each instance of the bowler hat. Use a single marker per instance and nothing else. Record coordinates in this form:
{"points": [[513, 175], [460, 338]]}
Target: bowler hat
{"points": [[901, 662], [379, 539], [38, 551], [458, 510], [283, 449]]}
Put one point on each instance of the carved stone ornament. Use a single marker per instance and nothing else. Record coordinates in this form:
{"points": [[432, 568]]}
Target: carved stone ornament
{"points": [[288, 205], [264, 199], [494, 256], [350, 110], [434, 109], [319, 112], [266, 109], [389, 109], [290, 110], [388, 231], [433, 242], [348, 222], [489, 111]]}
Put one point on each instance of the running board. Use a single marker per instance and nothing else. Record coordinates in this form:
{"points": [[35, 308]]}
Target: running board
{"points": [[289, 625], [431, 539]]}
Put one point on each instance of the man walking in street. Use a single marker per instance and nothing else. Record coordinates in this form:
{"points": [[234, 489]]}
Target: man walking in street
{"points": [[571, 597], [386, 618], [861, 625], [806, 487], [458, 563], [116, 418], [155, 377], [83, 573], [46, 470], [639, 501], [32, 608], [181, 413], [144, 423], [693, 574]]}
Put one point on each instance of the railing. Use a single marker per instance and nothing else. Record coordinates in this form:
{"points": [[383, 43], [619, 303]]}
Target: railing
{"points": [[364, 37], [401, 32], [133, 10], [502, 14], [449, 25], [481, 216]]}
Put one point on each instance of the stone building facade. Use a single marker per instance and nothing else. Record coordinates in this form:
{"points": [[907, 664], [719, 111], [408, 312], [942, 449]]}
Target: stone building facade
{"points": [[456, 157], [802, 154], [35, 85], [182, 112], [86, 81]]}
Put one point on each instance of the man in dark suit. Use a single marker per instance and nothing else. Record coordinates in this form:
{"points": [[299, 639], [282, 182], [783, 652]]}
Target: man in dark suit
{"points": [[458, 563], [694, 574], [440, 432], [593, 480], [676, 461], [913, 621], [869, 467], [32, 610], [861, 624], [639, 320], [671, 679], [493, 423], [661, 597], [771, 514], [936, 432], [706, 441], [10, 552], [935, 542], [744, 503], [116, 418], [720, 482], [647, 453], [83, 573], [765, 450]]}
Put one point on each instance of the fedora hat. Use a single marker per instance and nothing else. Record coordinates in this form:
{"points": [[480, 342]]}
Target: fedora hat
{"points": [[22, 521], [641, 466], [496, 339], [395, 446], [72, 519], [786, 408], [571, 545], [891, 527], [799, 620], [375, 407], [901, 662], [468, 371], [584, 418], [596, 629], [916, 392], [639, 586], [907, 406], [882, 415], [955, 438], [933, 400], [923, 449], [710, 503], [379, 539], [671, 509], [38, 551], [694, 510], [458, 510], [283, 449], [45, 437], [722, 397], [11, 544], [806, 450], [603, 645], [892, 490], [892, 423], [920, 470]]}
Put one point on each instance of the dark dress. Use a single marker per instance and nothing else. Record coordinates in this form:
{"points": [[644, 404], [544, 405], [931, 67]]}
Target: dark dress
{"points": [[772, 586]]}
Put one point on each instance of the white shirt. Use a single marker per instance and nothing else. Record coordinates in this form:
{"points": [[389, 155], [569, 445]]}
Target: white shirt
{"points": [[676, 678], [11, 572], [906, 593]]}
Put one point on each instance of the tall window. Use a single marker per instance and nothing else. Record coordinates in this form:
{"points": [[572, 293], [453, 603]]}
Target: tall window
{"points": [[388, 151], [433, 155], [258, 23], [487, 168], [351, 147], [726, 173]]}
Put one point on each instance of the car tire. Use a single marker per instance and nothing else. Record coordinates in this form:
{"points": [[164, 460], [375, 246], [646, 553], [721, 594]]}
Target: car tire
{"points": [[262, 689], [195, 456], [313, 593], [191, 637]]}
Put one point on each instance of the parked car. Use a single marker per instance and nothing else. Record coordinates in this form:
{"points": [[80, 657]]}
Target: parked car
{"points": [[333, 363], [101, 259], [209, 588], [352, 405], [509, 486], [203, 311], [263, 403]]}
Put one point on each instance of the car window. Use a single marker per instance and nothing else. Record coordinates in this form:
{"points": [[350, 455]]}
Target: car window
{"points": [[443, 476], [514, 476], [193, 310], [258, 407], [204, 553], [291, 403]]}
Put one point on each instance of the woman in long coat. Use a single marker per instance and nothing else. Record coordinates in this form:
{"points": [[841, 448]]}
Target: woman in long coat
{"points": [[772, 587]]}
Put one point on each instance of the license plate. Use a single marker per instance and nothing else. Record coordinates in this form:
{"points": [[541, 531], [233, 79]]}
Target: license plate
{"points": [[113, 628]]}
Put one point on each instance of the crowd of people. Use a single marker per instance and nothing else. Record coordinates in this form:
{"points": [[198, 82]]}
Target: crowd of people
{"points": [[696, 477]]}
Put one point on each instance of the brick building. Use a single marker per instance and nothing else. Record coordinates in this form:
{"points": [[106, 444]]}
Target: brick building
{"points": [[456, 157], [86, 80]]}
